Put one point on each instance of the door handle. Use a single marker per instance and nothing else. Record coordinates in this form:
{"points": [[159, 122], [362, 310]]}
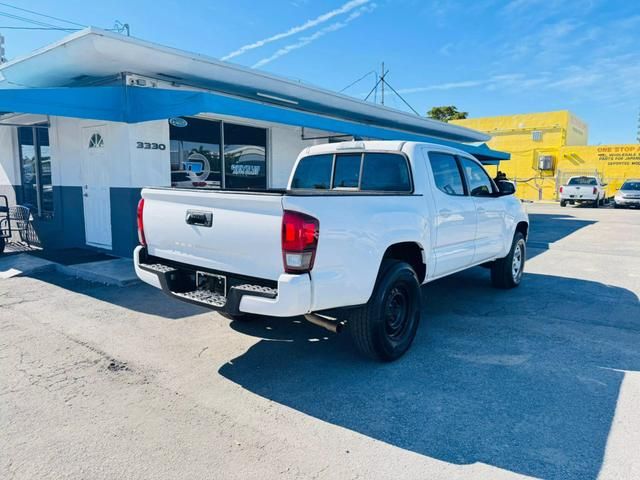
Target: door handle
{"points": [[85, 194], [202, 219]]}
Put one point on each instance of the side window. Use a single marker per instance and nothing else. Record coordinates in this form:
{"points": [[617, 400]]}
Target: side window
{"points": [[480, 184], [347, 171], [385, 172], [446, 173], [313, 172]]}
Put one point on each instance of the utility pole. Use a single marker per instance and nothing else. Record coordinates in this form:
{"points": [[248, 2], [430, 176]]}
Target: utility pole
{"points": [[382, 81]]}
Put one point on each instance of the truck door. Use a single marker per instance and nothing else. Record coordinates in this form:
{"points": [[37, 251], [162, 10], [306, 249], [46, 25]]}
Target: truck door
{"points": [[455, 215], [490, 232]]}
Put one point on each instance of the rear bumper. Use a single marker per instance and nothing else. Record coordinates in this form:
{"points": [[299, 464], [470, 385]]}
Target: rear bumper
{"points": [[288, 297]]}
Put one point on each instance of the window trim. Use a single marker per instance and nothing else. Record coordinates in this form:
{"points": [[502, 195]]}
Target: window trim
{"points": [[40, 213], [456, 159]]}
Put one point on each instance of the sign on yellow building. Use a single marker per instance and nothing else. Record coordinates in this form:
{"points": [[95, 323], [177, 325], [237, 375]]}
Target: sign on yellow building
{"points": [[549, 147]]}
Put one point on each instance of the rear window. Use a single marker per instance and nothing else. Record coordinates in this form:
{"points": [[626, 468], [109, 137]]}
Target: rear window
{"points": [[313, 173], [372, 172], [582, 181], [347, 171], [385, 172]]}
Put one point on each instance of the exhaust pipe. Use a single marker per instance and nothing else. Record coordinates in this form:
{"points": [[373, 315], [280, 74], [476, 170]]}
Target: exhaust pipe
{"points": [[334, 326]]}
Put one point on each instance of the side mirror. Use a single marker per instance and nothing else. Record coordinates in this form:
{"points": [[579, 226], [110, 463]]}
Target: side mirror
{"points": [[506, 187]]}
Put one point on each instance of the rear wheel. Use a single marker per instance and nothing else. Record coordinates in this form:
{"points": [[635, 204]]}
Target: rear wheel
{"points": [[507, 272], [385, 327], [2, 244], [563, 203], [596, 204]]}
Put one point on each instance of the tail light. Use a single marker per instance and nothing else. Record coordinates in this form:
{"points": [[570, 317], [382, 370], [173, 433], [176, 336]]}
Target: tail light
{"points": [[595, 190], [300, 234], [560, 189], [141, 238]]}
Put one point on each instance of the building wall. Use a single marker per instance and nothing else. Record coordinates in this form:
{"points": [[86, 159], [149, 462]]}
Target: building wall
{"points": [[563, 136], [9, 175], [614, 163], [128, 170]]}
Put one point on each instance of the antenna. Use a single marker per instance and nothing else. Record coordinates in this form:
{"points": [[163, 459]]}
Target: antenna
{"points": [[3, 59], [382, 79]]}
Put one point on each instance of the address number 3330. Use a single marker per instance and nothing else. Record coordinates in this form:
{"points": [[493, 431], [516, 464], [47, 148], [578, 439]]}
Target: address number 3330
{"points": [[151, 146]]}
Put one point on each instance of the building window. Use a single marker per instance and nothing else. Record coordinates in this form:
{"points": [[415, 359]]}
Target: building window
{"points": [[96, 141], [245, 157], [536, 136], [35, 170], [201, 150]]}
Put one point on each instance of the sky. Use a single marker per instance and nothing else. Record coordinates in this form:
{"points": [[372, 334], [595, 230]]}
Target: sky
{"points": [[487, 57]]}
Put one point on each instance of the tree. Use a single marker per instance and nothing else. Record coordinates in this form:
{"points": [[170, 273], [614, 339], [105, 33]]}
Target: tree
{"points": [[446, 113]]}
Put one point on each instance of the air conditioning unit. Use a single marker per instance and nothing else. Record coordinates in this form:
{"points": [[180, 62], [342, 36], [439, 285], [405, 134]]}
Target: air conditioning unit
{"points": [[545, 162]]}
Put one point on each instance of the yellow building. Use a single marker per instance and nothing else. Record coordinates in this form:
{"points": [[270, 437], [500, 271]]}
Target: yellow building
{"points": [[547, 148]]}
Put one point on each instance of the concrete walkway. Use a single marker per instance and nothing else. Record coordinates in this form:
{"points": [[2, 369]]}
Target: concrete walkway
{"points": [[118, 272]]}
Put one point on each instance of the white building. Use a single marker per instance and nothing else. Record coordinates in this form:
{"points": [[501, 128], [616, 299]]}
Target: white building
{"points": [[89, 120]]}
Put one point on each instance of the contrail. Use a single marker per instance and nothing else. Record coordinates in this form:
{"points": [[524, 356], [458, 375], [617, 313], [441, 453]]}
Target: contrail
{"points": [[325, 17], [304, 41]]}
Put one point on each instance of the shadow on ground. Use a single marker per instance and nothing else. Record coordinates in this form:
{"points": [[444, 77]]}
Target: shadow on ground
{"points": [[139, 297], [548, 228], [522, 380]]}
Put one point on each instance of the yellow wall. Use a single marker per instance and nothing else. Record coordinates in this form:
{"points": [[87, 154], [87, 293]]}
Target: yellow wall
{"points": [[564, 137], [614, 163]]}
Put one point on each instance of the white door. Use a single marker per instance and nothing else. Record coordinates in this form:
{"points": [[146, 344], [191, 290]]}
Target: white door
{"points": [[95, 188], [455, 215]]}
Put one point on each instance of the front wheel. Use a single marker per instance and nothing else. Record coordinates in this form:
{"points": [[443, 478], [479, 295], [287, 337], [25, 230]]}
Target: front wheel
{"points": [[385, 327], [507, 272]]}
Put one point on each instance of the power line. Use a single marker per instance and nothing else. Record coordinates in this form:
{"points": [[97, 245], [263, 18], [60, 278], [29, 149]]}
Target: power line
{"points": [[27, 20], [41, 28], [42, 15]]}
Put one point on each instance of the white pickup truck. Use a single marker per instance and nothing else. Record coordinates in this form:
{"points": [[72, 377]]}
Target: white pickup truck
{"points": [[583, 189], [360, 227]]}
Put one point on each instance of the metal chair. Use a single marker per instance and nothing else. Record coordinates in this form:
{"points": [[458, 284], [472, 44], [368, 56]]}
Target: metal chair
{"points": [[20, 216]]}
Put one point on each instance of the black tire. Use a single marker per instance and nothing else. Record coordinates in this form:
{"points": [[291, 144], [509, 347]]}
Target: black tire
{"points": [[503, 273], [563, 203], [2, 244], [615, 205], [596, 204], [244, 317], [385, 327]]}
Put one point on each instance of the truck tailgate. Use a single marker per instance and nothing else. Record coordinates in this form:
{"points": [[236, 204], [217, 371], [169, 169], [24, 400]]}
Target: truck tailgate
{"points": [[575, 191], [244, 235]]}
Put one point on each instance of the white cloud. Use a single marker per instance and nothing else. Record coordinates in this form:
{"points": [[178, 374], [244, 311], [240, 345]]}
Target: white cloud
{"points": [[325, 17], [304, 41]]}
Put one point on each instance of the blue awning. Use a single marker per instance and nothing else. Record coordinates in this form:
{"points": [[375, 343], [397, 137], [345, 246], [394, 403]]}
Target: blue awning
{"points": [[131, 104]]}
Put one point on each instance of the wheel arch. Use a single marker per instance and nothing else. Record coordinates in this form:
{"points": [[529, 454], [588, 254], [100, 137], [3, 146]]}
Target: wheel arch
{"points": [[409, 252], [523, 227]]}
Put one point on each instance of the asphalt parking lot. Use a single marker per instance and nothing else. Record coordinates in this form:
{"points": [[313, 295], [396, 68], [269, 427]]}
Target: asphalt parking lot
{"points": [[543, 381]]}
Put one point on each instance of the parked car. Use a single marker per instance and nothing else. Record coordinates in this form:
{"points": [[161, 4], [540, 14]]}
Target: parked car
{"points": [[360, 227], [583, 189], [628, 195]]}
